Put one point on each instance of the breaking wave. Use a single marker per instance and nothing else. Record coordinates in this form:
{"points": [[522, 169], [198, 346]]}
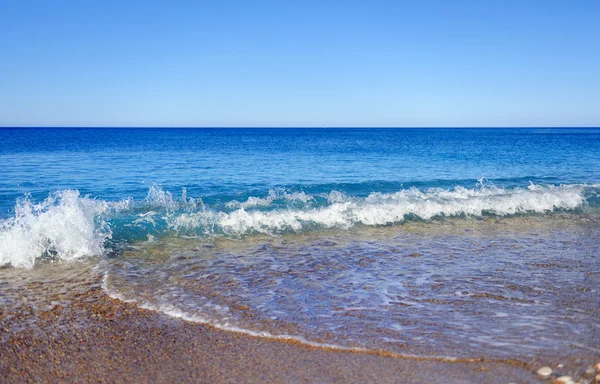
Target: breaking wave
{"points": [[68, 226], [63, 226], [344, 211]]}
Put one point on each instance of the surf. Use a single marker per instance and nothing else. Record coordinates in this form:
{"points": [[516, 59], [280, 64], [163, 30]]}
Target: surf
{"points": [[67, 226]]}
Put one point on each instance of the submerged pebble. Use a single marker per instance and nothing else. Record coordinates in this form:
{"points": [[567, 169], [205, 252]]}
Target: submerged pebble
{"points": [[544, 371]]}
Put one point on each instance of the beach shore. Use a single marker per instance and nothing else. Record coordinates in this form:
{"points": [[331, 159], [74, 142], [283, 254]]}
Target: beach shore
{"points": [[119, 342]]}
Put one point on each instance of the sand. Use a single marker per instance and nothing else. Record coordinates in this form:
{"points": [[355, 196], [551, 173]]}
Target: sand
{"points": [[119, 342]]}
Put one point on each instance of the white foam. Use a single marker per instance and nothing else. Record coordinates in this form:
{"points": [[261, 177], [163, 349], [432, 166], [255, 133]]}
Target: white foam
{"points": [[381, 209], [64, 225], [273, 195]]}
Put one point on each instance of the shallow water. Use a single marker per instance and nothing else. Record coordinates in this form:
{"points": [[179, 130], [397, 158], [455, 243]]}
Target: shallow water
{"points": [[29, 296], [510, 288]]}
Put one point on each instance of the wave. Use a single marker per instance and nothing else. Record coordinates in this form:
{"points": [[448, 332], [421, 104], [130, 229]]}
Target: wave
{"points": [[64, 226], [344, 211], [68, 226]]}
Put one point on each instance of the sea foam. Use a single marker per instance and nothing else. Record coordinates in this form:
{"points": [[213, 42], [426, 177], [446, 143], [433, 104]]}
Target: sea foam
{"points": [[64, 226], [382, 209]]}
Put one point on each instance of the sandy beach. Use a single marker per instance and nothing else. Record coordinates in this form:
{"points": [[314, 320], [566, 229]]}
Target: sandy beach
{"points": [[121, 343]]}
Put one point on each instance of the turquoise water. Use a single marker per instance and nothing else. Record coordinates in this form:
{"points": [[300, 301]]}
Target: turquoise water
{"points": [[407, 240]]}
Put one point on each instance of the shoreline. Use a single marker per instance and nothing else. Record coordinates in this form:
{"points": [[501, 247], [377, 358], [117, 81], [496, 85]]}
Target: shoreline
{"points": [[120, 342]]}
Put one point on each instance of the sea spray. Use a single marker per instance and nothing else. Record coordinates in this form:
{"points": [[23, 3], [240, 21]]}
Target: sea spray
{"points": [[65, 226]]}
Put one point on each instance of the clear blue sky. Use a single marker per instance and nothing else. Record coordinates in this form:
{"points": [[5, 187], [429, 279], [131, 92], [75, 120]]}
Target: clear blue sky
{"points": [[300, 63]]}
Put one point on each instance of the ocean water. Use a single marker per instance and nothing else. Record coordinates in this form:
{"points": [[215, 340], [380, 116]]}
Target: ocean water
{"points": [[429, 242]]}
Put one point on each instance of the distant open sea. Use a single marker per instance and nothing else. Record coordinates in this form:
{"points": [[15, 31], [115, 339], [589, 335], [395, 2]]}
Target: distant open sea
{"points": [[429, 242]]}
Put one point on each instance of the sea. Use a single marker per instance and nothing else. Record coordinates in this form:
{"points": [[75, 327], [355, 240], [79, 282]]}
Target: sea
{"points": [[442, 243]]}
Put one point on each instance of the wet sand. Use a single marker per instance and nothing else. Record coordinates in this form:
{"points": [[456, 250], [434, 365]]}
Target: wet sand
{"points": [[122, 343]]}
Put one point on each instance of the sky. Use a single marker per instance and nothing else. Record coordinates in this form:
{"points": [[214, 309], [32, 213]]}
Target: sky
{"points": [[300, 63]]}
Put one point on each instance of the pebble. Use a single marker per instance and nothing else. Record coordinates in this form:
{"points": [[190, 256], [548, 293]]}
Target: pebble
{"points": [[565, 380], [597, 367], [598, 378], [544, 371], [590, 371]]}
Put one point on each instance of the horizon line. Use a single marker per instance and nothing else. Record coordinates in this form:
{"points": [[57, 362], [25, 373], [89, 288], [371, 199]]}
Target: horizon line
{"points": [[296, 127]]}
